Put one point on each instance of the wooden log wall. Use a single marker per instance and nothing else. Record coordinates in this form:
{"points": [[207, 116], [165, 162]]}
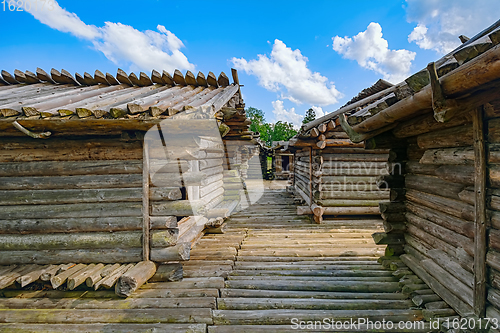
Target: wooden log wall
{"points": [[338, 177], [198, 184], [392, 210], [442, 212], [70, 201]]}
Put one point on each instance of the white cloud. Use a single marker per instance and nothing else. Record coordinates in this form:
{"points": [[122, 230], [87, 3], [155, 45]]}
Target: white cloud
{"points": [[286, 71], [289, 116], [439, 23], [372, 51], [319, 111], [60, 19], [120, 43], [146, 50]]}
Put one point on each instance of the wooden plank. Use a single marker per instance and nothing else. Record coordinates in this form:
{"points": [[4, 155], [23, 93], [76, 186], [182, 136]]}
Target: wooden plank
{"points": [[480, 218]]}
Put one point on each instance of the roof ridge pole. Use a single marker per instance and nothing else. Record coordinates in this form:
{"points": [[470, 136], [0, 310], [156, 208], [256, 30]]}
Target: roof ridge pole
{"points": [[480, 243]]}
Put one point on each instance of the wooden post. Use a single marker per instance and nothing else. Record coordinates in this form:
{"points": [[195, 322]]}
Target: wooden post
{"points": [[145, 201], [310, 175], [480, 242]]}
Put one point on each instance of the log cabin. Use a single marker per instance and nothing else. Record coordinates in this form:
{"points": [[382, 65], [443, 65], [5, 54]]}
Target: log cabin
{"points": [[440, 127], [282, 160], [111, 171], [333, 175]]}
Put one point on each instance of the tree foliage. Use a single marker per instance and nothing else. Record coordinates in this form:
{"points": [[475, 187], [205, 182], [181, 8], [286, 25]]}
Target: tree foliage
{"points": [[281, 131], [309, 116]]}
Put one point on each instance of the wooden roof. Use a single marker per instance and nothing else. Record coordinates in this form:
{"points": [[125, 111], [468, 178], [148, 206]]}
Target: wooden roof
{"points": [[59, 101], [464, 78]]}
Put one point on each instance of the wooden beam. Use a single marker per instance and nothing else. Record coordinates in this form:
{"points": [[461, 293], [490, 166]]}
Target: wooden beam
{"points": [[9, 78], [179, 78], [190, 79], [156, 77], [43, 76], [122, 77], [111, 79], [223, 80], [212, 80], [201, 80], [167, 78], [145, 202], [99, 77], [480, 241]]}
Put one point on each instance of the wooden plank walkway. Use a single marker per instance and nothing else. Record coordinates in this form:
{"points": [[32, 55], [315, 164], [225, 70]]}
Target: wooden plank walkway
{"points": [[270, 267]]}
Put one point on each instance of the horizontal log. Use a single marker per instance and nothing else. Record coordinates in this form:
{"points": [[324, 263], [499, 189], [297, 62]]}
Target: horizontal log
{"points": [[444, 234], [164, 193], [362, 157], [70, 168], [162, 222], [71, 210], [74, 224], [459, 305], [458, 136], [455, 286], [179, 252], [452, 266], [434, 185], [447, 221], [178, 208], [426, 123], [340, 180], [351, 211], [177, 180], [425, 240], [96, 328], [124, 151], [70, 241], [96, 316], [86, 256], [452, 207], [168, 273], [347, 203], [74, 196], [164, 238], [71, 182], [360, 195]]}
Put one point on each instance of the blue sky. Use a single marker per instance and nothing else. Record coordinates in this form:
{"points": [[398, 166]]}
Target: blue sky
{"points": [[290, 55]]}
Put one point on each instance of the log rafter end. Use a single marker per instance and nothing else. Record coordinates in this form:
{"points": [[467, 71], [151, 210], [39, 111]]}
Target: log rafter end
{"points": [[356, 137], [443, 107], [42, 135]]}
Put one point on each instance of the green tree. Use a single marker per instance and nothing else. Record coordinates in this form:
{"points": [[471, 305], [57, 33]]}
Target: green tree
{"points": [[281, 131], [310, 116], [257, 117]]}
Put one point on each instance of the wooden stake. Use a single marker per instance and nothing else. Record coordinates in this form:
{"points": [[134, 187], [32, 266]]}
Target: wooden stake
{"points": [[480, 242]]}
